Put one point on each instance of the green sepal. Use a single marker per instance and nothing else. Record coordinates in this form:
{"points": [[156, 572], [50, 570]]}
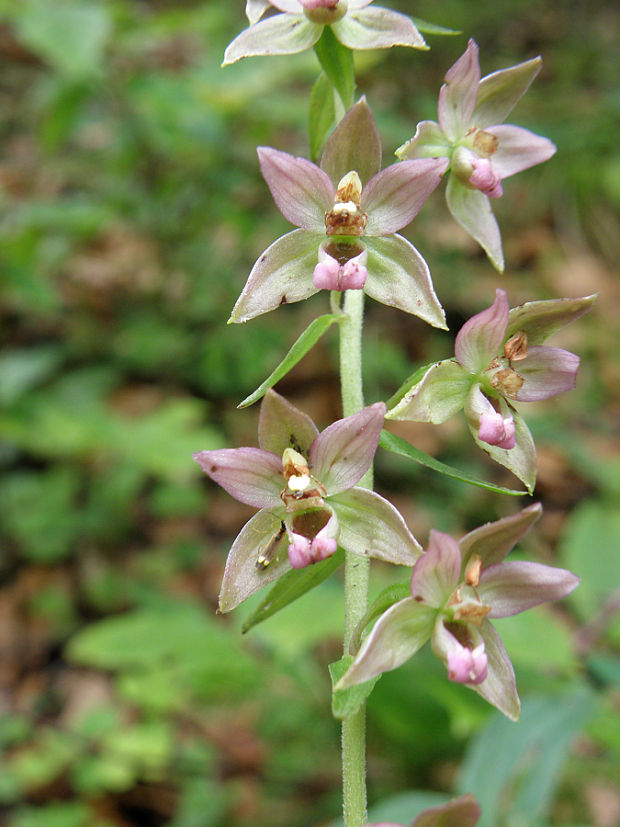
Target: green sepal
{"points": [[346, 702], [322, 114], [337, 63], [399, 446], [292, 585], [432, 28], [298, 350], [409, 382], [387, 598]]}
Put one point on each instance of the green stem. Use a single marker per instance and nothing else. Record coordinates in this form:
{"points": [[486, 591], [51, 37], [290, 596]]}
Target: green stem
{"points": [[357, 569]]}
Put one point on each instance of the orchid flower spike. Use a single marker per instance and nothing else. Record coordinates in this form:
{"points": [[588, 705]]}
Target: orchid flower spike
{"points": [[304, 483], [348, 214], [499, 360], [456, 589], [301, 22], [481, 150], [460, 812]]}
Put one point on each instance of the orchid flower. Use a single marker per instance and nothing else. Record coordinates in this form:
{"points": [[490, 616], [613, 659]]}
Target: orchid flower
{"points": [[348, 214], [481, 150], [460, 812], [500, 359], [456, 588], [301, 24], [303, 483]]}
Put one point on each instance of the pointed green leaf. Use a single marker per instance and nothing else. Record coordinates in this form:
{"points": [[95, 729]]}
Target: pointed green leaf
{"points": [[346, 702], [387, 598], [298, 350], [322, 114], [292, 585], [432, 28], [399, 446], [337, 63]]}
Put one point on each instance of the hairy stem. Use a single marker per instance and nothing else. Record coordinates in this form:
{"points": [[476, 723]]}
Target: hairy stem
{"points": [[357, 569]]}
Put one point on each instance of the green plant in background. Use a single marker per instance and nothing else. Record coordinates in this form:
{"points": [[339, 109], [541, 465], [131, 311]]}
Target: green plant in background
{"points": [[116, 131]]}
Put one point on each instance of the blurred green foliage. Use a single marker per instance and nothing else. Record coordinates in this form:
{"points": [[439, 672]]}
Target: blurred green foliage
{"points": [[131, 211]]}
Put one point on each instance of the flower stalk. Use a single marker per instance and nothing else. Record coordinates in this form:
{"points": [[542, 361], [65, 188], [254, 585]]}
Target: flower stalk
{"points": [[357, 570]]}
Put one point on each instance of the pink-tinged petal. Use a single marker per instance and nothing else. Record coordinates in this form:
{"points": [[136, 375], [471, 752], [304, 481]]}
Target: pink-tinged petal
{"points": [[283, 34], [396, 636], [493, 541], [467, 665], [282, 275], [313, 536], [377, 28], [250, 475], [485, 179], [436, 397], [500, 91], [520, 460], [359, 4], [499, 688], [302, 191], [398, 276], [428, 142], [494, 427], [342, 453], [460, 812], [472, 210], [282, 425], [540, 320], [396, 195], [354, 145], [457, 97], [289, 6], [330, 275], [437, 573], [242, 577], [371, 527], [518, 149], [546, 371], [513, 587], [479, 340], [255, 9]]}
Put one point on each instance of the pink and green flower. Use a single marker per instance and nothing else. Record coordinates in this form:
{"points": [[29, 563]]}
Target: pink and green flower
{"points": [[304, 484], [500, 361], [300, 24], [482, 150], [348, 213], [457, 588]]}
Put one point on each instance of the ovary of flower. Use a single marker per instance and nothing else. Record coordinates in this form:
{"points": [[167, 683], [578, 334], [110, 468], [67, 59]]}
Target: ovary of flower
{"points": [[468, 665]]}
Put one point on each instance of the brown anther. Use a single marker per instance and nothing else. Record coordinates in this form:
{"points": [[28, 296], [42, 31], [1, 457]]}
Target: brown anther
{"points": [[350, 189], [294, 464], [346, 216], [472, 612], [515, 348], [472, 571], [485, 144], [507, 382]]}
